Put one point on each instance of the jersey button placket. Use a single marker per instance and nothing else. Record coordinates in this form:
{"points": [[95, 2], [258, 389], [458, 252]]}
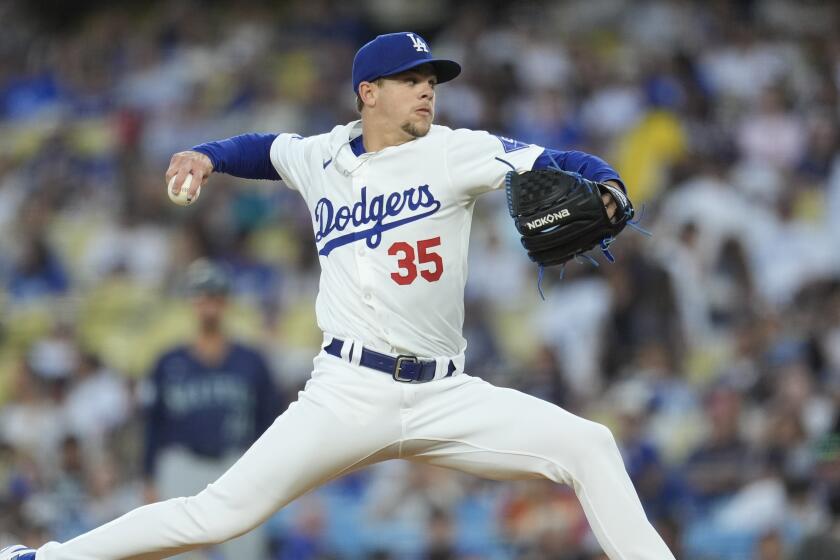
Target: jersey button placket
{"points": [[366, 282]]}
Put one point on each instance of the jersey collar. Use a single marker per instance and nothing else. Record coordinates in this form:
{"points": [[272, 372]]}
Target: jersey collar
{"points": [[357, 145], [341, 139]]}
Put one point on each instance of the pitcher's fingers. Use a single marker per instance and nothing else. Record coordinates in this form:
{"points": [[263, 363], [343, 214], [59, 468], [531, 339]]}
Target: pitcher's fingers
{"points": [[180, 177], [205, 176], [197, 172], [170, 171], [610, 205]]}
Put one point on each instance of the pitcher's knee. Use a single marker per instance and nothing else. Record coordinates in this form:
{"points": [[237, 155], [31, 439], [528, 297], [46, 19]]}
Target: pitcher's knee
{"points": [[218, 518], [597, 446], [601, 438]]}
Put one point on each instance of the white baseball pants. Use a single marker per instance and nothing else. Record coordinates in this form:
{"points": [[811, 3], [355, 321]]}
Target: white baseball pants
{"points": [[348, 417], [182, 473]]}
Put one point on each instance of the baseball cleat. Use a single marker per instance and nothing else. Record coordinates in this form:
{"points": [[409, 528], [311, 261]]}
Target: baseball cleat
{"points": [[17, 552]]}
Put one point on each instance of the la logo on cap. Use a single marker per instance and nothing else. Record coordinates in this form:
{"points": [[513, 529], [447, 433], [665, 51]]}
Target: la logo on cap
{"points": [[418, 43], [391, 54]]}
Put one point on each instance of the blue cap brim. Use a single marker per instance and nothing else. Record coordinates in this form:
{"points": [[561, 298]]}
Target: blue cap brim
{"points": [[445, 70]]}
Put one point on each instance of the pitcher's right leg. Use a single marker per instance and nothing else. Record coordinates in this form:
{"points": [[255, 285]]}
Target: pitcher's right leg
{"points": [[343, 420], [500, 433]]}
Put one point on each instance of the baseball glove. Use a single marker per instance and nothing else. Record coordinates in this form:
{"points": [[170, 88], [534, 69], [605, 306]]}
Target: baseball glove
{"points": [[561, 215]]}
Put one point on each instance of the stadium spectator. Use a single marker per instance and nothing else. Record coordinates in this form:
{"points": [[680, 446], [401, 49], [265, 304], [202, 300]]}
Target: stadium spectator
{"points": [[208, 401]]}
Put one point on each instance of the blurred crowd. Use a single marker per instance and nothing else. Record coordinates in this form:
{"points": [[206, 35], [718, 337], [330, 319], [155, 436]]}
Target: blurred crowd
{"points": [[711, 347]]}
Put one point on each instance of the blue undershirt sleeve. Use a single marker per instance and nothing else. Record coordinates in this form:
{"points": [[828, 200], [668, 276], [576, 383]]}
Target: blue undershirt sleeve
{"points": [[589, 166], [247, 156]]}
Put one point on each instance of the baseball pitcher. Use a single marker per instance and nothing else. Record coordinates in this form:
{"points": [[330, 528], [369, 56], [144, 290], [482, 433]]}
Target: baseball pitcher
{"points": [[391, 198]]}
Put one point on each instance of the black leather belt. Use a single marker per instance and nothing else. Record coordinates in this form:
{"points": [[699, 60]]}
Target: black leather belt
{"points": [[406, 369]]}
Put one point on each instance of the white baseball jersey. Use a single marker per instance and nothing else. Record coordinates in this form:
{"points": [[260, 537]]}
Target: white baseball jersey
{"points": [[392, 229]]}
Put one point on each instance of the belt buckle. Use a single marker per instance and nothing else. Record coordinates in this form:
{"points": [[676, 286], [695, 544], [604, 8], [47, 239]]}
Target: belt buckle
{"points": [[400, 360]]}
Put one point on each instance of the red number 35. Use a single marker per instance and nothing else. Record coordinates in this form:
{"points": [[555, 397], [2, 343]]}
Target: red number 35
{"points": [[408, 268]]}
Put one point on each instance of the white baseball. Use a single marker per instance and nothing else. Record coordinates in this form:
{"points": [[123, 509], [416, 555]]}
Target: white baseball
{"points": [[182, 198]]}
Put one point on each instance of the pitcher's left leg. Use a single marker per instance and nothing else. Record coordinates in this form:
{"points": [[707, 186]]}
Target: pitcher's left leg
{"points": [[470, 425]]}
